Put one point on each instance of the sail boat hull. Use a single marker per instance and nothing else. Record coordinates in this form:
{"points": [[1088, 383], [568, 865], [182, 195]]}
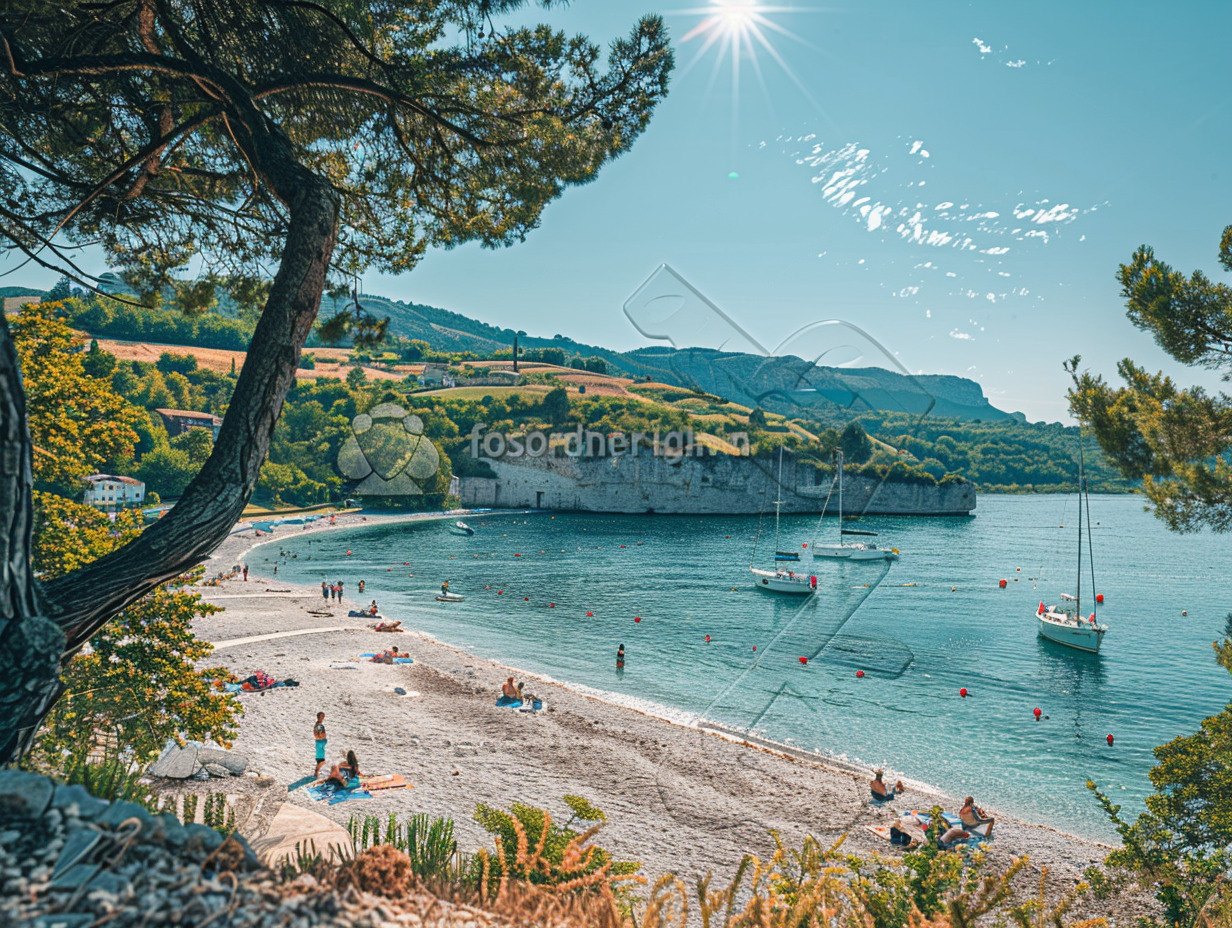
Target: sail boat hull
{"points": [[855, 552], [783, 581], [1062, 628]]}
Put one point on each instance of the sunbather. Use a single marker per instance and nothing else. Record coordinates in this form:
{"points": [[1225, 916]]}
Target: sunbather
{"points": [[881, 792], [952, 838], [393, 626], [345, 774], [510, 691], [974, 817]]}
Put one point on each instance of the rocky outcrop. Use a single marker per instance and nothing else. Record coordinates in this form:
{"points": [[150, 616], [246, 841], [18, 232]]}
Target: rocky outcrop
{"points": [[714, 484], [195, 760]]}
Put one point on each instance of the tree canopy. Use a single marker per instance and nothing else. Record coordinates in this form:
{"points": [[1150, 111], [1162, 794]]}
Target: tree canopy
{"points": [[1175, 439], [320, 136]]}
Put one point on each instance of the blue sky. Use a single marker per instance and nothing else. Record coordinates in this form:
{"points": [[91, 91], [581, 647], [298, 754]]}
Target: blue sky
{"points": [[868, 180], [1109, 119]]}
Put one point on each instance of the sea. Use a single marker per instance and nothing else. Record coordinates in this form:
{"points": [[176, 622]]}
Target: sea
{"points": [[871, 669]]}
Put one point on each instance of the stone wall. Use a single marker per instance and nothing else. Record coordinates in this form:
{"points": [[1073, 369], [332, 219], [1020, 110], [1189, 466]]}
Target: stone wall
{"points": [[719, 484]]}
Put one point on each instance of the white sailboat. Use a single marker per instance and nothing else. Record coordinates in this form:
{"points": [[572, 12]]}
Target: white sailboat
{"points": [[1063, 623], [782, 579], [855, 551]]}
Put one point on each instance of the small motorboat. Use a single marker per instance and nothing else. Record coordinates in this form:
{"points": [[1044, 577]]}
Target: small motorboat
{"points": [[449, 597], [461, 528]]}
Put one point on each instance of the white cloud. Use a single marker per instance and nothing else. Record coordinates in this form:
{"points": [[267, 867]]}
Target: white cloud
{"points": [[961, 336]]}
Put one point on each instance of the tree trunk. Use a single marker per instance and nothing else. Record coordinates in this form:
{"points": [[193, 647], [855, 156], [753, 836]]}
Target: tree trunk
{"points": [[81, 602], [30, 643]]}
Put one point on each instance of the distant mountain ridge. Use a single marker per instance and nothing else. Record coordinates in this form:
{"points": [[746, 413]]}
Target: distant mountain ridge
{"points": [[786, 384]]}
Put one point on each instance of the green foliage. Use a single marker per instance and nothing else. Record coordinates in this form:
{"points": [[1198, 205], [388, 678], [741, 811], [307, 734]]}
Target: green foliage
{"points": [[1175, 440], [855, 443], [169, 362], [556, 406], [106, 773], [98, 363], [78, 424], [112, 319], [167, 471], [1182, 844], [533, 848], [428, 842], [68, 534]]}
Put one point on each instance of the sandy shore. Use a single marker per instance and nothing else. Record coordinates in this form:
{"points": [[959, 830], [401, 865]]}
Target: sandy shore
{"points": [[677, 798]]}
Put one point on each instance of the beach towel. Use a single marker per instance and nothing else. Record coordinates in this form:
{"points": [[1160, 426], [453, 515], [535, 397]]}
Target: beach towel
{"points": [[384, 781], [508, 701], [302, 781], [379, 659], [329, 792]]}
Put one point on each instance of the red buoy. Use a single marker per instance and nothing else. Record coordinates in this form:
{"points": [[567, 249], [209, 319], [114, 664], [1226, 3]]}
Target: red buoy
{"points": [[500, 592], [860, 674], [1038, 713], [1001, 583], [1110, 741], [805, 545], [804, 660], [348, 552], [406, 563], [590, 615], [707, 637], [754, 647], [624, 546], [637, 618], [1099, 597], [517, 555], [525, 599], [551, 605], [963, 692]]}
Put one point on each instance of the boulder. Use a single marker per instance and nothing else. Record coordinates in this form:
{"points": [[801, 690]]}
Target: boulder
{"points": [[177, 763], [24, 796], [235, 764]]}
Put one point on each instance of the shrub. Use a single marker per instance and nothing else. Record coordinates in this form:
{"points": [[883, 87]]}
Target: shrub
{"points": [[530, 847]]}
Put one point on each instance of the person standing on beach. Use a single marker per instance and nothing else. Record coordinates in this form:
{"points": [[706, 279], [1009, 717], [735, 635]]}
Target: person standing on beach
{"points": [[324, 591], [318, 732], [245, 573], [339, 591]]}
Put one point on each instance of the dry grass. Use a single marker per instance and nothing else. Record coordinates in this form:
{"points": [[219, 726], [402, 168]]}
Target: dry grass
{"points": [[330, 362]]}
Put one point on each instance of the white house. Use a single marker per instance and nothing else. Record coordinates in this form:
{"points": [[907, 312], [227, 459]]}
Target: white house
{"points": [[110, 493]]}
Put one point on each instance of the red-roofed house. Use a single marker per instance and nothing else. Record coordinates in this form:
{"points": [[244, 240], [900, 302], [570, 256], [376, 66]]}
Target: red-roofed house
{"points": [[111, 493], [179, 421]]}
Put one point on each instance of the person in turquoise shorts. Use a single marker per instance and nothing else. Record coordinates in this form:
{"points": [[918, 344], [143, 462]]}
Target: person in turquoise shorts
{"points": [[318, 732]]}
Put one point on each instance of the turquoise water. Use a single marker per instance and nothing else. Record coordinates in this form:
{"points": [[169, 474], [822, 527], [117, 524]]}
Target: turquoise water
{"points": [[920, 630]]}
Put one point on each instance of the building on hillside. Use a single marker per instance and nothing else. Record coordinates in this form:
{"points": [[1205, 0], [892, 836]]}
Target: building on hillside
{"points": [[111, 493], [179, 421], [437, 375], [13, 304]]}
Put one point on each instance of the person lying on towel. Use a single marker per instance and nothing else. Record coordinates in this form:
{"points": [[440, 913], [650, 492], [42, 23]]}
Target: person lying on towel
{"points": [[345, 774]]}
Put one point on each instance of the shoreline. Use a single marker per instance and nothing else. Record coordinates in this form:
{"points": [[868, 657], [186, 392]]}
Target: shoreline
{"points": [[735, 786]]}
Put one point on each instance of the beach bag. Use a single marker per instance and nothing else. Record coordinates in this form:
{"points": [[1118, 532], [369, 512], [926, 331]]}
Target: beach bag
{"points": [[899, 837]]}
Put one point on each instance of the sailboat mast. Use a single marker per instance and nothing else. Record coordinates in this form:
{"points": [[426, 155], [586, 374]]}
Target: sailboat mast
{"points": [[778, 504], [840, 497], [1081, 479]]}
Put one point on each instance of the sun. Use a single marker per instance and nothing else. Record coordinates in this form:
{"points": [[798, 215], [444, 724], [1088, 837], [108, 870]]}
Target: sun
{"points": [[739, 31]]}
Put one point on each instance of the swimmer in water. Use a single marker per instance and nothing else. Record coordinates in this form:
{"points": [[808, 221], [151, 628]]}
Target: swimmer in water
{"points": [[620, 657]]}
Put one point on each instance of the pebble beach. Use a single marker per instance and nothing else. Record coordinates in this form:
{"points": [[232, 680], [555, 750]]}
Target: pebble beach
{"points": [[678, 798]]}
